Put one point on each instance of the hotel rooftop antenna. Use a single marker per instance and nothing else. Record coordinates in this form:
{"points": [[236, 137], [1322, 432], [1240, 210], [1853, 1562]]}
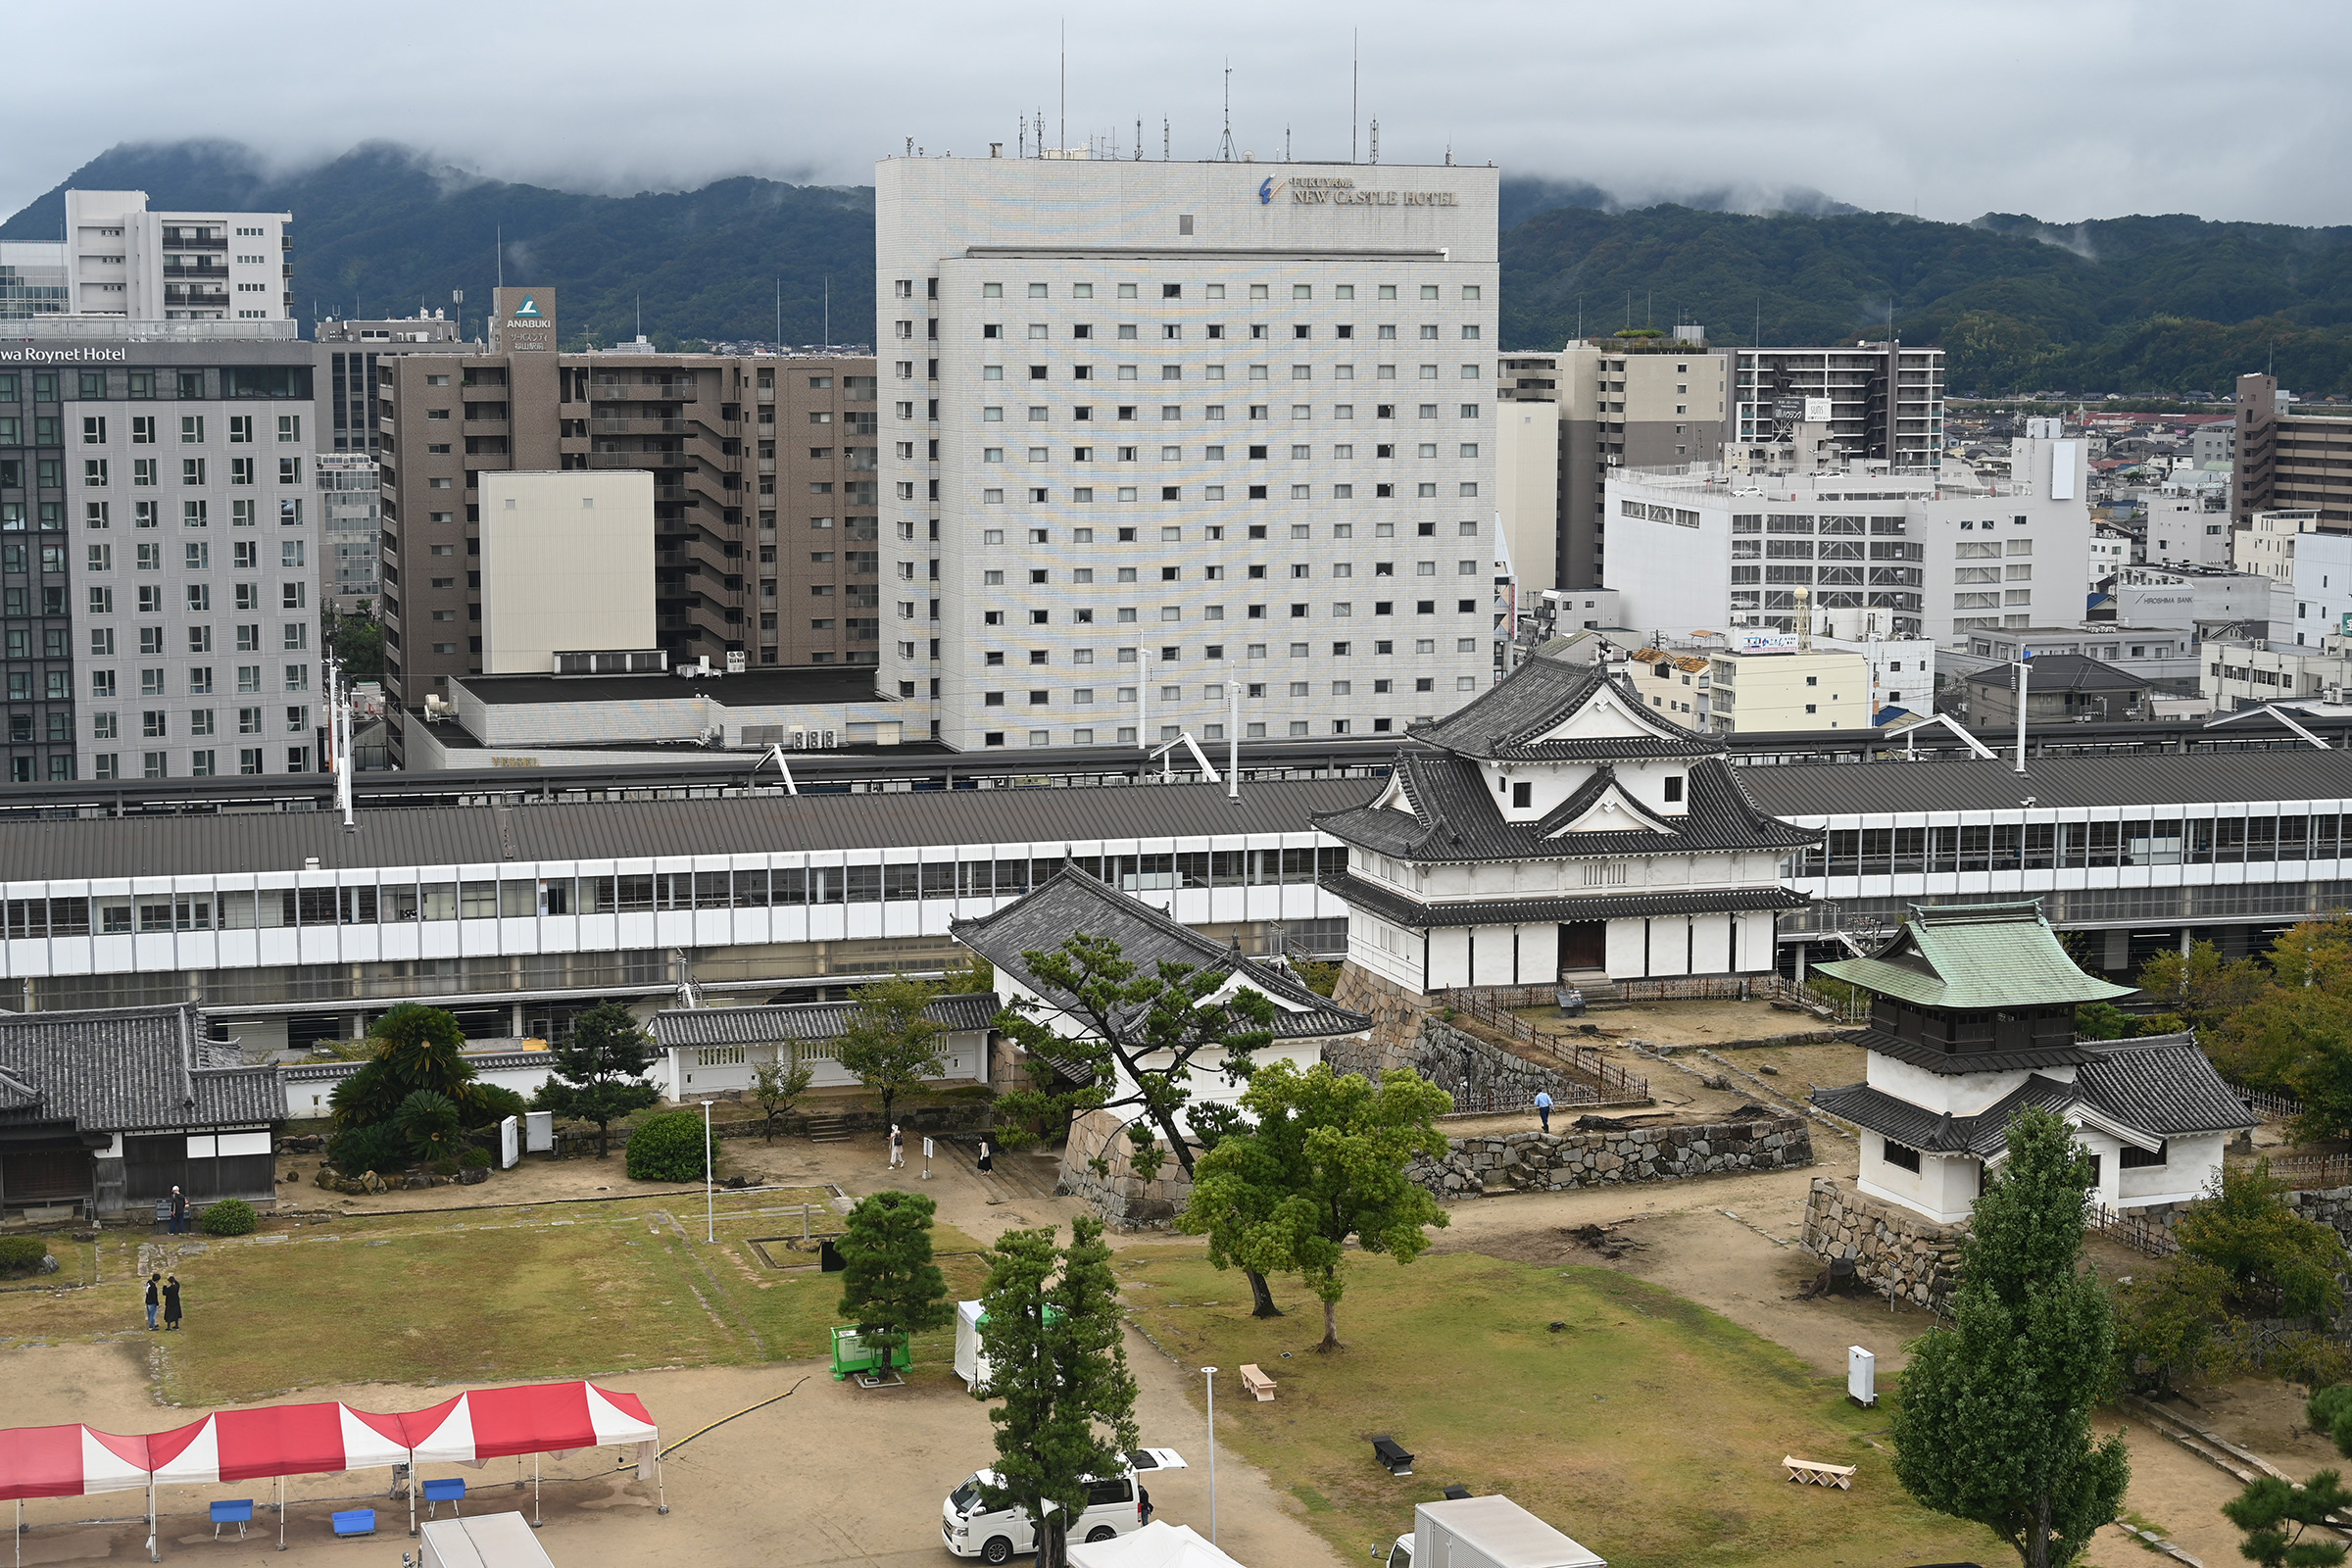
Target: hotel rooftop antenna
{"points": [[1163, 138], [1139, 141], [1065, 83], [1376, 141], [1355, 79], [1225, 152]]}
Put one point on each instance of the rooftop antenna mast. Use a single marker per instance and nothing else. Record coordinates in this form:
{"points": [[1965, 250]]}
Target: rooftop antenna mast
{"points": [[1065, 83], [1376, 141], [1139, 141], [1164, 138], [1225, 152], [1356, 77], [499, 243]]}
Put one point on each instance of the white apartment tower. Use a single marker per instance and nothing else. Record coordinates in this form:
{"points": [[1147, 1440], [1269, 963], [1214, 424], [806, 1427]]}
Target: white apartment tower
{"points": [[1157, 430], [119, 259]]}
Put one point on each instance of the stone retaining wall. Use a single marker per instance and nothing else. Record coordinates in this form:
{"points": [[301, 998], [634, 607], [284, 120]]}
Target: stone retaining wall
{"points": [[1396, 1014], [2331, 1206], [1124, 1199], [1891, 1247], [1479, 1073], [1551, 1163]]}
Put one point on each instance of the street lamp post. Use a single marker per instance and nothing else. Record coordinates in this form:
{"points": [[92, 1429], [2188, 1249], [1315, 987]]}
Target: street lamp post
{"points": [[709, 1183], [1212, 1373]]}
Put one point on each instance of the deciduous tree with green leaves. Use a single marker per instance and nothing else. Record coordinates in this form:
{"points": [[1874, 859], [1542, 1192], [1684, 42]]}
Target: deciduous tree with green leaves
{"points": [[775, 1085], [1064, 1398], [889, 1044], [889, 1286], [599, 1072], [1130, 1043], [1327, 1159], [2275, 1260], [1992, 1422]]}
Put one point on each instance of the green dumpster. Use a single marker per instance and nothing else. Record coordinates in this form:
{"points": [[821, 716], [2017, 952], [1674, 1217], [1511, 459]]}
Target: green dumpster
{"points": [[853, 1353]]}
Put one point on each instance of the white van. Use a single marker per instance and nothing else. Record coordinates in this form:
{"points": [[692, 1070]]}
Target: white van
{"points": [[1113, 1508]]}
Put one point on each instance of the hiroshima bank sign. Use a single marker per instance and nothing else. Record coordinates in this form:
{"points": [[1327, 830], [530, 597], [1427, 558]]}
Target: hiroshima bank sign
{"points": [[1339, 190]]}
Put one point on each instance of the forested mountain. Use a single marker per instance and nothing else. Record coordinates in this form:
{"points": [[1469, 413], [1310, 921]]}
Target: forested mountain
{"points": [[2161, 304], [381, 230]]}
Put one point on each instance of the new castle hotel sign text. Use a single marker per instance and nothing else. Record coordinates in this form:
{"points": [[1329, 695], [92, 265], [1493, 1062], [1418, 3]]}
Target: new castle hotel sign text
{"points": [[1319, 190]]}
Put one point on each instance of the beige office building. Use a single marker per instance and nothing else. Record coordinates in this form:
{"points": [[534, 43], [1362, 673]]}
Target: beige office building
{"points": [[2290, 462], [1774, 692], [567, 567], [764, 492], [1641, 403]]}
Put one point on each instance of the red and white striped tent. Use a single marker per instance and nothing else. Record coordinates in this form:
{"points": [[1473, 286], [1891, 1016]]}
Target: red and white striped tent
{"points": [[293, 1439]]}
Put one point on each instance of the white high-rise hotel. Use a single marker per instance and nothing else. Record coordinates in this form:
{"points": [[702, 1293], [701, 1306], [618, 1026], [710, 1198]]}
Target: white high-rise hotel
{"points": [[1156, 428]]}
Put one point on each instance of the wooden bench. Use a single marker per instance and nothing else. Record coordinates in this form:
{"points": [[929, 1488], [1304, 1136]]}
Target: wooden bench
{"points": [[1257, 1382], [1809, 1472], [1390, 1452]]}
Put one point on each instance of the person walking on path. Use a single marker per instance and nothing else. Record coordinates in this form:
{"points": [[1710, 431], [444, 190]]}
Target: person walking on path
{"points": [[897, 1148], [179, 1212], [986, 1159], [1544, 1108], [171, 1301], [154, 1299]]}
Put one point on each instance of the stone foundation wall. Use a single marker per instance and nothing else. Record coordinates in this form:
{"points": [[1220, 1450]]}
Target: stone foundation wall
{"points": [[1122, 1197], [1396, 1014], [1891, 1247], [2331, 1208], [1552, 1163]]}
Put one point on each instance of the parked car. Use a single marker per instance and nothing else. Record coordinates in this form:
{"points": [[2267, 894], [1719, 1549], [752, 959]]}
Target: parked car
{"points": [[1113, 1508]]}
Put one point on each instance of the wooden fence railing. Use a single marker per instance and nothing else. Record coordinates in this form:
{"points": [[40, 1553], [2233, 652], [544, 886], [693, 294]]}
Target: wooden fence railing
{"points": [[2314, 1171], [1587, 1062], [2133, 1231], [2263, 1102]]}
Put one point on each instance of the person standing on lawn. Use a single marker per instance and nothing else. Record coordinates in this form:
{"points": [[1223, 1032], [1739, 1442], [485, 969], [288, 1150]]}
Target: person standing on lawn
{"points": [[179, 1212], [171, 1301], [1544, 1108], [154, 1299]]}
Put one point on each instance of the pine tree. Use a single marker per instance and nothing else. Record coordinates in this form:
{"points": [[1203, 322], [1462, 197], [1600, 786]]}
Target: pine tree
{"points": [[1057, 1368], [888, 1285], [1144, 1031], [1994, 1419], [598, 1073]]}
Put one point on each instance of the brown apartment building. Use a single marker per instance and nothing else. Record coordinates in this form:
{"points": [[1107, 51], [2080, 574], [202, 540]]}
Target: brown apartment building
{"points": [[2288, 462], [765, 497]]}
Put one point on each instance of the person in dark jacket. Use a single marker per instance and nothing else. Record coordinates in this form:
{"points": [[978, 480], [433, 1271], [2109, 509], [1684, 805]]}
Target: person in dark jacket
{"points": [[171, 1301], [154, 1299], [179, 1212]]}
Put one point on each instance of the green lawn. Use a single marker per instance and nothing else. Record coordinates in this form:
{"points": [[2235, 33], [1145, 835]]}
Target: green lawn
{"points": [[1650, 1429], [547, 1290]]}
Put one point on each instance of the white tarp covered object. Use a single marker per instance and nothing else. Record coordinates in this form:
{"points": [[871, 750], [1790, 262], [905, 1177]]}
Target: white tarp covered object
{"points": [[1159, 1544]]}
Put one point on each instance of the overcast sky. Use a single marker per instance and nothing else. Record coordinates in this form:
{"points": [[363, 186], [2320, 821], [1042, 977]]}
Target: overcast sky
{"points": [[2066, 109]]}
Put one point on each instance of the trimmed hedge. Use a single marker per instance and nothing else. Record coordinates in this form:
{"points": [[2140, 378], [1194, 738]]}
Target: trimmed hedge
{"points": [[22, 1254], [231, 1217], [476, 1160], [669, 1148]]}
